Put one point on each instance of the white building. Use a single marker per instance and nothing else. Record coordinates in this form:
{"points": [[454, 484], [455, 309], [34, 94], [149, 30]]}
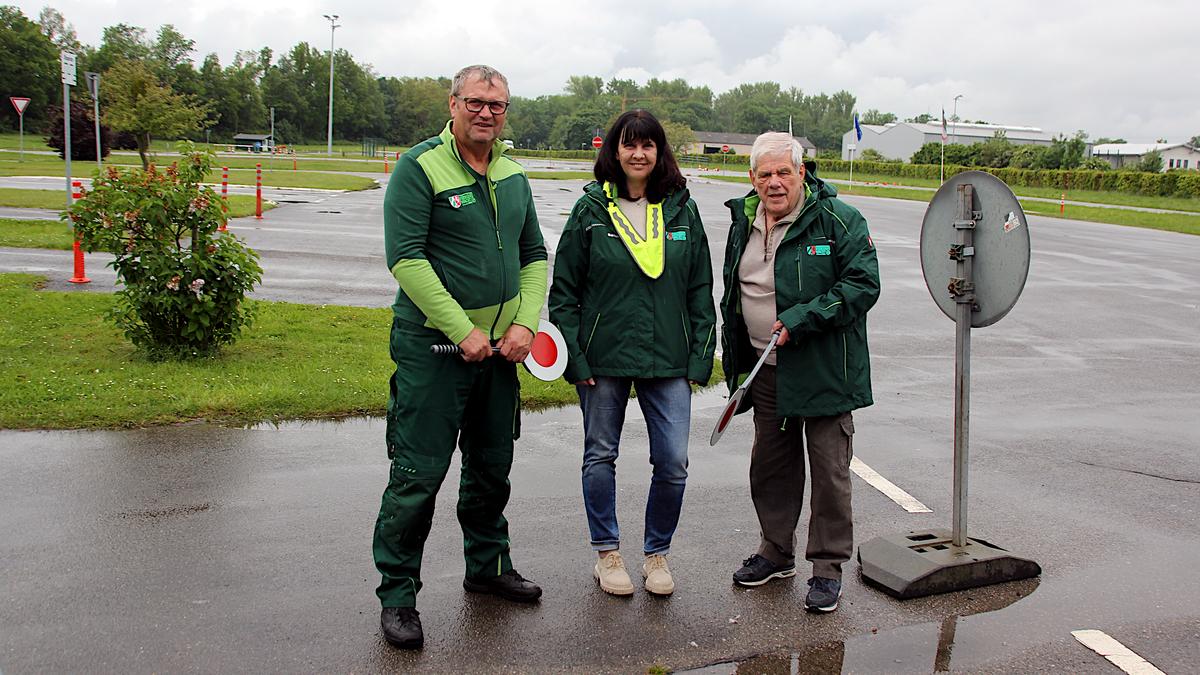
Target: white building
{"points": [[1174, 155], [899, 140], [711, 142]]}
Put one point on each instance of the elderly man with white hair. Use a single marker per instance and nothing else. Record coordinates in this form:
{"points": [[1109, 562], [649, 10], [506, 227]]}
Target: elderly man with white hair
{"points": [[799, 262]]}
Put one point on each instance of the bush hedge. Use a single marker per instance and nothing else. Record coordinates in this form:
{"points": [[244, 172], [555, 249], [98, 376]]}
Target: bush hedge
{"points": [[1169, 184]]}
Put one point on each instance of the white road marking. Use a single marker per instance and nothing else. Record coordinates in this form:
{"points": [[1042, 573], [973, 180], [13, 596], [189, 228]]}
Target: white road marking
{"points": [[887, 487], [1120, 655]]}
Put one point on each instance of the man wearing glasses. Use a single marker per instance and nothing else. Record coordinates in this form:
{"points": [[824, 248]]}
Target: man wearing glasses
{"points": [[799, 262], [461, 238]]}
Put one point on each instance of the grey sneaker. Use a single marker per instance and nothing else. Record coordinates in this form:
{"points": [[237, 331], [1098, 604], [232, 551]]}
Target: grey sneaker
{"points": [[757, 570], [822, 595]]}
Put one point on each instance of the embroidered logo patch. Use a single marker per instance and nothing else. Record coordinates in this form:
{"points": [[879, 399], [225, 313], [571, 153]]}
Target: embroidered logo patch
{"points": [[677, 236], [819, 249], [464, 199]]}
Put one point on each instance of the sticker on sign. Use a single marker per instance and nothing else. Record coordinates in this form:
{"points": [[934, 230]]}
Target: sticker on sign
{"points": [[20, 103]]}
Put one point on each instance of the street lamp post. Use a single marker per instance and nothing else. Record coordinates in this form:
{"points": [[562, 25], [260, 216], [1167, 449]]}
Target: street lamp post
{"points": [[329, 135], [954, 118]]}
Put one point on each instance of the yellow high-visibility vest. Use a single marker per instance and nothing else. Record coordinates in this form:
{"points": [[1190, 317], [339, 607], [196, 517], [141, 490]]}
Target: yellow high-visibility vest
{"points": [[648, 252]]}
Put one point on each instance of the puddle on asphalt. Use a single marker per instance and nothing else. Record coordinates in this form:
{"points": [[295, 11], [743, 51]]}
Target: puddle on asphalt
{"points": [[926, 647]]}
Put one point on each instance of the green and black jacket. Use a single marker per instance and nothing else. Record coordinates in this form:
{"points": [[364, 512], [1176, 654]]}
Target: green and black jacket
{"points": [[465, 248], [826, 278], [618, 322]]}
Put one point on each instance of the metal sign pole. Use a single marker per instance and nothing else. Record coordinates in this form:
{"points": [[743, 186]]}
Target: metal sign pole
{"points": [[21, 142], [67, 136], [962, 287], [974, 234], [93, 83]]}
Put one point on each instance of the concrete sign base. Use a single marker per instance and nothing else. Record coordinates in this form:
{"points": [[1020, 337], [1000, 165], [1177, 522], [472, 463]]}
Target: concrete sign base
{"points": [[926, 562]]}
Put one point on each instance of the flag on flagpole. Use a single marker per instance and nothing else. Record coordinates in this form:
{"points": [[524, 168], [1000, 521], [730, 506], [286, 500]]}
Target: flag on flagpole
{"points": [[944, 136], [857, 128]]}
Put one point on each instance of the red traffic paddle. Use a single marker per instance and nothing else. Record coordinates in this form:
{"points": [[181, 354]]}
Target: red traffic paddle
{"points": [[547, 359], [731, 407]]}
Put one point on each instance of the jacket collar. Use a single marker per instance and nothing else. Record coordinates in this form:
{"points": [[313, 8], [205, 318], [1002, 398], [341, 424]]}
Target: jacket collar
{"points": [[671, 204], [498, 147]]}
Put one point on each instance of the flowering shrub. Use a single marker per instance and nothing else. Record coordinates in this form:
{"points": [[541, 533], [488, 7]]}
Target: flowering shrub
{"points": [[184, 282]]}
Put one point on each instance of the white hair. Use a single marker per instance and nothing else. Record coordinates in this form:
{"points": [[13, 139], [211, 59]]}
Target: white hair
{"points": [[776, 143]]}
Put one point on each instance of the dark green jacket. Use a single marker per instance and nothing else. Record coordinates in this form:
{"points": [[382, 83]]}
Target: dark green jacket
{"points": [[619, 322], [826, 278], [466, 249]]}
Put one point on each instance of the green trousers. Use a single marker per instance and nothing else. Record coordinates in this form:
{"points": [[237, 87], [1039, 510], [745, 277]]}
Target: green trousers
{"points": [[435, 401]]}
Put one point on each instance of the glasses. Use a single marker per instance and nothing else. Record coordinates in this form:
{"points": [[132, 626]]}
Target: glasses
{"points": [[475, 105]]}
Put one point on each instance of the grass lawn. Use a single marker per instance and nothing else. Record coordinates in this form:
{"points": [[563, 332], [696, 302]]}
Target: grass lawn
{"points": [[65, 367], [560, 175], [11, 140], [53, 234], [281, 176]]}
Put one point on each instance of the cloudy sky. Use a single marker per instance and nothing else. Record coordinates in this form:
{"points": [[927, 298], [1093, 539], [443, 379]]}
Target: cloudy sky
{"points": [[1111, 69]]}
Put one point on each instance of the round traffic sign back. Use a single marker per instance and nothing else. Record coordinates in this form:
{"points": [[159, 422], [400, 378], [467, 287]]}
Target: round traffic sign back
{"points": [[597, 142], [1000, 263]]}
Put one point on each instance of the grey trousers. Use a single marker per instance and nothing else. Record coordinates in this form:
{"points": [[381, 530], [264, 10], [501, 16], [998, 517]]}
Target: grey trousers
{"points": [[777, 481]]}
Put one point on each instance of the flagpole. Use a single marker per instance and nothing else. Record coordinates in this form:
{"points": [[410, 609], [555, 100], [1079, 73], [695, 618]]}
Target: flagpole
{"points": [[851, 168], [942, 171]]}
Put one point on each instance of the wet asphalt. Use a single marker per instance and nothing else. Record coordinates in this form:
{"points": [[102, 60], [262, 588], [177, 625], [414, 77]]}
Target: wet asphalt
{"points": [[204, 548]]}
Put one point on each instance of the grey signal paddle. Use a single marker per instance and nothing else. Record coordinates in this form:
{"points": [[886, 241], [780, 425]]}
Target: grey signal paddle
{"points": [[731, 407]]}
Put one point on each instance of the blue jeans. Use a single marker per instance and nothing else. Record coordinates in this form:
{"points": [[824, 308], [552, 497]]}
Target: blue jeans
{"points": [[667, 406]]}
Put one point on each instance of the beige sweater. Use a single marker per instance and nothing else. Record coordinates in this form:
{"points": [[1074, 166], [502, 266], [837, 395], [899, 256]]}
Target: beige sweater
{"points": [[756, 275]]}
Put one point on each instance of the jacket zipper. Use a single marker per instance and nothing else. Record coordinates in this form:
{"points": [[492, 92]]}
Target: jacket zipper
{"points": [[686, 338], [591, 334], [499, 253]]}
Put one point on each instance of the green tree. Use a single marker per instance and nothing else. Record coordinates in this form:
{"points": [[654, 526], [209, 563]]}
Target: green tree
{"points": [[1151, 162], [1195, 141], [873, 116], [679, 136], [575, 130], [55, 27], [1104, 140], [1030, 157], [28, 67], [585, 87], [424, 102], [121, 42], [135, 102], [996, 152], [872, 155], [923, 118]]}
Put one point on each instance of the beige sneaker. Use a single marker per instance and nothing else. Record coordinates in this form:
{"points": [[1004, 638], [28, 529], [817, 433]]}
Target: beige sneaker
{"points": [[610, 572], [658, 575]]}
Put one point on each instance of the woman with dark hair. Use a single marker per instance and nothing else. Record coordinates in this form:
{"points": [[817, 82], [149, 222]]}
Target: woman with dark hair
{"points": [[632, 295]]}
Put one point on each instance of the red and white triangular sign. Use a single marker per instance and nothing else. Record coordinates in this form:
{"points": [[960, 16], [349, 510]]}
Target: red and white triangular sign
{"points": [[547, 359], [19, 103]]}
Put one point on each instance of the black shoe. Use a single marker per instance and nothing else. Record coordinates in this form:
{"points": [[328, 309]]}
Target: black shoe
{"points": [[822, 595], [757, 570], [510, 586], [402, 627]]}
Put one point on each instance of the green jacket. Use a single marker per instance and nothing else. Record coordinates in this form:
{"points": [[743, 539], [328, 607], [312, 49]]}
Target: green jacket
{"points": [[826, 278], [465, 248], [617, 321]]}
